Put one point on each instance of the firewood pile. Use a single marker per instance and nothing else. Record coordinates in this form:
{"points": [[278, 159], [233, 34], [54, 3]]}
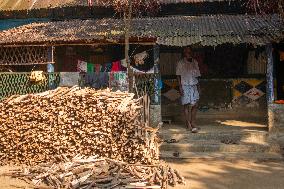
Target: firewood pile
{"points": [[35, 128], [90, 172]]}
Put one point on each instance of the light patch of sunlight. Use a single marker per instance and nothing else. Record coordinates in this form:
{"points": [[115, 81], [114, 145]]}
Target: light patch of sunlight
{"points": [[236, 123]]}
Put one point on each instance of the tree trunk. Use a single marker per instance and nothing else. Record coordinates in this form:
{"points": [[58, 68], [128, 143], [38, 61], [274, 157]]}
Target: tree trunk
{"points": [[127, 21]]}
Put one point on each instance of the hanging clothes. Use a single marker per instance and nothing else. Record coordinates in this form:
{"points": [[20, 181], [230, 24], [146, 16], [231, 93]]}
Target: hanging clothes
{"points": [[108, 67], [97, 80], [97, 68], [81, 66], [116, 66], [69, 79], [123, 63], [103, 68], [118, 81], [90, 67]]}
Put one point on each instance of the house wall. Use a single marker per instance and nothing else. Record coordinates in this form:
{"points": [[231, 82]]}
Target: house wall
{"points": [[247, 94], [244, 91], [276, 118]]}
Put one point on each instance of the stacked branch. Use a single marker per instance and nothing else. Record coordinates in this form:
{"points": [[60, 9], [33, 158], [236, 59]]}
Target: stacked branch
{"points": [[91, 172], [34, 128]]}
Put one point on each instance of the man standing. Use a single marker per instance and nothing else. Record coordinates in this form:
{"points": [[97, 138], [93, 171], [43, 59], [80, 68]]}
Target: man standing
{"points": [[187, 73]]}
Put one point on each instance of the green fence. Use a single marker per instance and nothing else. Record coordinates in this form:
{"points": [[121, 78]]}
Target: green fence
{"points": [[18, 83]]}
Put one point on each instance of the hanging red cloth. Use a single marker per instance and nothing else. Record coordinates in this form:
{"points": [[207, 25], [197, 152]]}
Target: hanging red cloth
{"points": [[116, 66]]}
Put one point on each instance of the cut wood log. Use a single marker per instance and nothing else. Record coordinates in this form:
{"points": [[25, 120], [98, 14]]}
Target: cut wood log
{"points": [[37, 128], [122, 177], [109, 130]]}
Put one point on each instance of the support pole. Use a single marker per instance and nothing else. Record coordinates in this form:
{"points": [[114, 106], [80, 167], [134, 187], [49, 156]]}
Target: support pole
{"points": [[156, 112], [50, 67], [157, 74], [269, 75]]}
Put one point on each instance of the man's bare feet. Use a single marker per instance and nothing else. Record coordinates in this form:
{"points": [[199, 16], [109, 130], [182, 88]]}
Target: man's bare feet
{"points": [[191, 128], [194, 130], [194, 126]]}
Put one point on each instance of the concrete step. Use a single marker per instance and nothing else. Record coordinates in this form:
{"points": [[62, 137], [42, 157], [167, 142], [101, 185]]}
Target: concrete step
{"points": [[201, 156], [259, 137], [172, 129], [209, 146]]}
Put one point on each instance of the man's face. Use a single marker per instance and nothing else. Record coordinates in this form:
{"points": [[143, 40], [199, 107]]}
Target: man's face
{"points": [[188, 53]]}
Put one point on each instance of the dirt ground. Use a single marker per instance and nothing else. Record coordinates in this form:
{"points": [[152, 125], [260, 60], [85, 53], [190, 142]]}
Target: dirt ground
{"points": [[230, 175], [208, 175]]}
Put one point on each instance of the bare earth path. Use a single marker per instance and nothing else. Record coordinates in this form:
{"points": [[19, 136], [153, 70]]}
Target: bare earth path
{"points": [[231, 175], [209, 175]]}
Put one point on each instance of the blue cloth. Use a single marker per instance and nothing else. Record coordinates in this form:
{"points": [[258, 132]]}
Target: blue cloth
{"points": [[161, 85], [97, 80], [108, 67]]}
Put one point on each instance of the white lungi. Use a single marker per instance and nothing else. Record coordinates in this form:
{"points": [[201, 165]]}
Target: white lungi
{"points": [[190, 95]]}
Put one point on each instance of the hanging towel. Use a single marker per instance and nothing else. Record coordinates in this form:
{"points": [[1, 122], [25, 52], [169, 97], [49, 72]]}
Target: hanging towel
{"points": [[103, 68], [104, 79], [116, 66], [97, 68], [97, 80], [81, 66], [90, 67], [118, 81], [69, 79], [108, 67], [123, 63], [50, 68]]}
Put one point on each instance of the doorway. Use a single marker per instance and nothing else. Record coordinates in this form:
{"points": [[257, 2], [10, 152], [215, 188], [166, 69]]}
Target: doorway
{"points": [[233, 87]]}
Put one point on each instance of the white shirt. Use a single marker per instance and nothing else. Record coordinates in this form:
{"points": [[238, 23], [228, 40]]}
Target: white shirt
{"points": [[189, 71]]}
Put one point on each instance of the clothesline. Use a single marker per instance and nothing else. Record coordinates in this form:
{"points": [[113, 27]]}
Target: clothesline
{"points": [[120, 65]]}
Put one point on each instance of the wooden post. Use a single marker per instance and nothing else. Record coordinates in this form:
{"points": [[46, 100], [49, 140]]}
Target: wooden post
{"points": [[50, 67], [127, 21], [156, 113], [157, 74], [269, 74]]}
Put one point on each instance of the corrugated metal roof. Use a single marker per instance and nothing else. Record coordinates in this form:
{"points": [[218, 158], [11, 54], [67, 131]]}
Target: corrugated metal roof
{"points": [[12, 23], [177, 31], [37, 4], [191, 1]]}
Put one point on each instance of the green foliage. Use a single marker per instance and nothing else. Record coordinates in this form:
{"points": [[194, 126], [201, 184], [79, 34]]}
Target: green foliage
{"points": [[138, 6], [265, 6]]}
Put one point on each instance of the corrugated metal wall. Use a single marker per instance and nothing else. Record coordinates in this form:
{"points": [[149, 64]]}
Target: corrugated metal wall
{"points": [[256, 63], [168, 63]]}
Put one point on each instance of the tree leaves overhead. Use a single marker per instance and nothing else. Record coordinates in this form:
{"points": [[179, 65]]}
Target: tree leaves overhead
{"points": [[265, 6], [138, 6]]}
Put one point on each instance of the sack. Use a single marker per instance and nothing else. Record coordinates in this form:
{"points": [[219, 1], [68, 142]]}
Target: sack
{"points": [[37, 76]]}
